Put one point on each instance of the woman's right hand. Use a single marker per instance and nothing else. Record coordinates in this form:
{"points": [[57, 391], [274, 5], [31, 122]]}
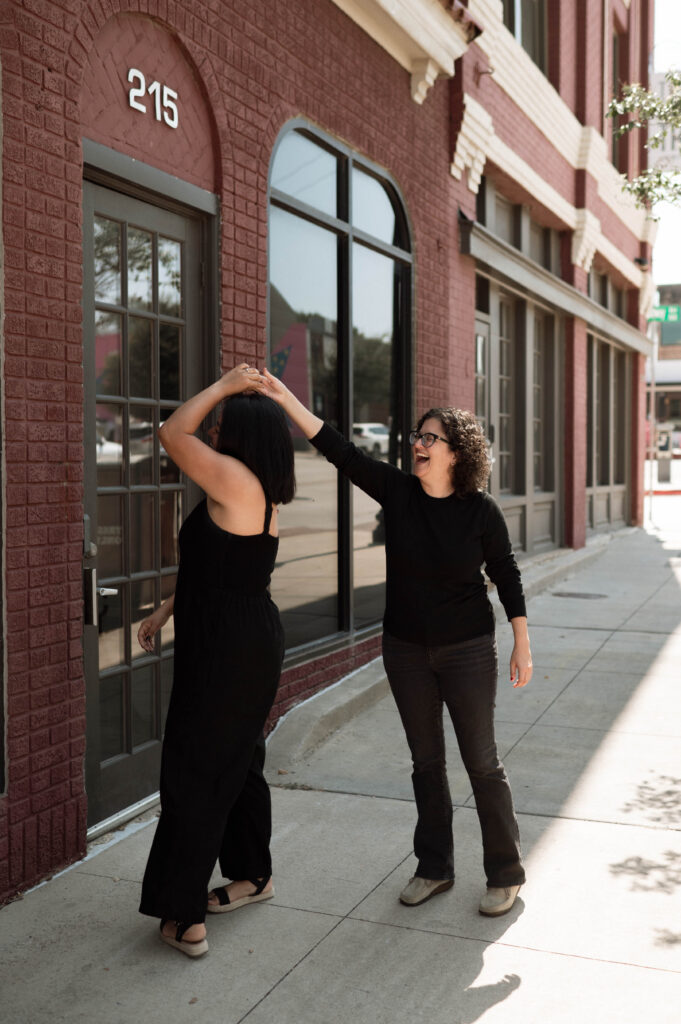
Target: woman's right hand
{"points": [[241, 378], [149, 627], [272, 387]]}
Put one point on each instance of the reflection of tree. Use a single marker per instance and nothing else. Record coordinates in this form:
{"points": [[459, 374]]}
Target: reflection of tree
{"points": [[371, 378], [140, 362], [108, 269]]}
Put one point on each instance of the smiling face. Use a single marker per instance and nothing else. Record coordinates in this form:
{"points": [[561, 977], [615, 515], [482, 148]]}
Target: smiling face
{"points": [[433, 466]]}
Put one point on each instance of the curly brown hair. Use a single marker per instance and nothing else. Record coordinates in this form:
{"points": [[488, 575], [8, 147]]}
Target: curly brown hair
{"points": [[466, 438]]}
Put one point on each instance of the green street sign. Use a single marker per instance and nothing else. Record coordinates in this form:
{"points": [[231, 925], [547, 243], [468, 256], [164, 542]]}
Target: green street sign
{"points": [[666, 314]]}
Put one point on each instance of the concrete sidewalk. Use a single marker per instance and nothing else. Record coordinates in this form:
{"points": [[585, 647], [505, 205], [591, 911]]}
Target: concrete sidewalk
{"points": [[592, 751]]}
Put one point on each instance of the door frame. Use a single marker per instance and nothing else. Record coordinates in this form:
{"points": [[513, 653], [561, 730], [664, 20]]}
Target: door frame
{"points": [[117, 173]]}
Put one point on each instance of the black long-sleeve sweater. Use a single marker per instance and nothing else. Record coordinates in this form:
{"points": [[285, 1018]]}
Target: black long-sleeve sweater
{"points": [[435, 549]]}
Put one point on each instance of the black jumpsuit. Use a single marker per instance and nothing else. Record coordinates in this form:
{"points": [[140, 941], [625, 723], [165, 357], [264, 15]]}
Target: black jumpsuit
{"points": [[229, 646]]}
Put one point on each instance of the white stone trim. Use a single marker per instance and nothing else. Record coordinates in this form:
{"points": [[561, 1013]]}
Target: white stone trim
{"points": [[473, 143], [582, 146], [585, 239], [419, 34], [646, 295], [481, 143], [531, 180]]}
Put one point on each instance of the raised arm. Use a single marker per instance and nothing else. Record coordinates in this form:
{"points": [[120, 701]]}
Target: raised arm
{"points": [[371, 475], [218, 475], [294, 409]]}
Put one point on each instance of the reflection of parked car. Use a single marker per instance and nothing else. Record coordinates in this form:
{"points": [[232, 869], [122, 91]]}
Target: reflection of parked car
{"points": [[108, 452], [371, 437]]}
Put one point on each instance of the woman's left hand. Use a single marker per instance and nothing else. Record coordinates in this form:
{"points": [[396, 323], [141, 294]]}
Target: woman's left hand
{"points": [[242, 378], [521, 665]]}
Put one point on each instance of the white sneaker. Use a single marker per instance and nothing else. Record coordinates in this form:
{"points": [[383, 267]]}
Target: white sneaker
{"points": [[498, 901], [418, 890]]}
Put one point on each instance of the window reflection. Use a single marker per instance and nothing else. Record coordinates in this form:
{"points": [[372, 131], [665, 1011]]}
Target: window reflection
{"points": [[142, 532], [138, 359], [143, 705], [111, 635], [140, 353], [140, 278], [318, 281], [109, 535], [170, 474], [171, 521], [107, 261], [142, 604], [111, 723], [141, 444], [374, 423], [169, 277], [303, 315], [109, 445], [170, 336], [306, 171], [372, 210], [108, 353]]}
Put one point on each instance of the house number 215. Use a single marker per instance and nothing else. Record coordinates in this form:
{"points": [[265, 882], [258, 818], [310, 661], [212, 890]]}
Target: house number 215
{"points": [[165, 108]]}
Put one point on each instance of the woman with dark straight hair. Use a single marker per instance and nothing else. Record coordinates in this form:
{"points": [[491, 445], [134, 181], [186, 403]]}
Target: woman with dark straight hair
{"points": [[229, 646], [439, 645]]}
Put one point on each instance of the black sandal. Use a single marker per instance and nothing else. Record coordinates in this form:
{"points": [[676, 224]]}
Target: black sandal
{"points": [[197, 947], [224, 904]]}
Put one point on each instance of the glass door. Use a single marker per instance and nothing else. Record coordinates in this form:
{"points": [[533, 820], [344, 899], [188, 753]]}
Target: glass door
{"points": [[142, 357]]}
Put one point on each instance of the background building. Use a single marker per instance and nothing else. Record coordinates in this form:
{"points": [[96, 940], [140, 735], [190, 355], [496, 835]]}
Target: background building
{"points": [[398, 206]]}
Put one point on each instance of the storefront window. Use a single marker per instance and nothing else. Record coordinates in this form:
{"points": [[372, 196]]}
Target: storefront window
{"points": [[338, 338]]}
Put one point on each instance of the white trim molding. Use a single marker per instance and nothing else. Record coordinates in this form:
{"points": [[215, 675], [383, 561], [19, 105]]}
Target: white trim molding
{"points": [[480, 143], [585, 239], [473, 143], [421, 35]]}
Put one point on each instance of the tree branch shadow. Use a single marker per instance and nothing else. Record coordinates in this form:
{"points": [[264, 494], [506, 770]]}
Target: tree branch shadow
{"points": [[652, 876], [659, 797]]}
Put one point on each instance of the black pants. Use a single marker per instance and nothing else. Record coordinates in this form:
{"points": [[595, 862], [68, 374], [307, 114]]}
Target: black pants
{"points": [[204, 819], [464, 677]]}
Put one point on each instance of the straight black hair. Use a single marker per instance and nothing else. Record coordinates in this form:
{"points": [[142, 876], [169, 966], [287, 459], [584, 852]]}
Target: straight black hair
{"points": [[253, 429]]}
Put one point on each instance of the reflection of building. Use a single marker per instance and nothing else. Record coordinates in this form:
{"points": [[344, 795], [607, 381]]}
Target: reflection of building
{"points": [[429, 186]]}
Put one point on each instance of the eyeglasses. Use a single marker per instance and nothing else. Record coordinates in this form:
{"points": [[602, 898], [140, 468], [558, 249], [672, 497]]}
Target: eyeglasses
{"points": [[427, 439]]}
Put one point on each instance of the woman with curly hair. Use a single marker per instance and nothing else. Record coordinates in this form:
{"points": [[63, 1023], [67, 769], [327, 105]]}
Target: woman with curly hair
{"points": [[439, 643]]}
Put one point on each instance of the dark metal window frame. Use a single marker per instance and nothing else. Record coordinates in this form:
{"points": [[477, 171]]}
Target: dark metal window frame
{"points": [[347, 234], [608, 472]]}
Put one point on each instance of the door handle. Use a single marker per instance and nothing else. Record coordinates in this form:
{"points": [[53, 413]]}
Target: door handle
{"points": [[90, 594]]}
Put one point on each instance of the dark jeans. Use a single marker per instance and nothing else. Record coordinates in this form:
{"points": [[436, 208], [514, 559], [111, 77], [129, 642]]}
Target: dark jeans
{"points": [[464, 677]]}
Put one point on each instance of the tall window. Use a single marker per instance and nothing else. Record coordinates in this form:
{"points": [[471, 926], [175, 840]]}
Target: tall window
{"points": [[543, 400], [506, 395], [526, 19], [339, 322], [607, 415]]}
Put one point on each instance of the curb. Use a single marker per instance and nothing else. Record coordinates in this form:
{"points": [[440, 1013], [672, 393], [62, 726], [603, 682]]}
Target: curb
{"points": [[306, 726]]}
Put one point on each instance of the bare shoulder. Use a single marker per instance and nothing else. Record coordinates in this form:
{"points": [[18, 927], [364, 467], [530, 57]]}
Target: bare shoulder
{"points": [[237, 502]]}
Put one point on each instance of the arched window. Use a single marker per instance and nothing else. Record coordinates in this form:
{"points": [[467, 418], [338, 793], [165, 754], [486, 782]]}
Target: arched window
{"points": [[339, 327]]}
